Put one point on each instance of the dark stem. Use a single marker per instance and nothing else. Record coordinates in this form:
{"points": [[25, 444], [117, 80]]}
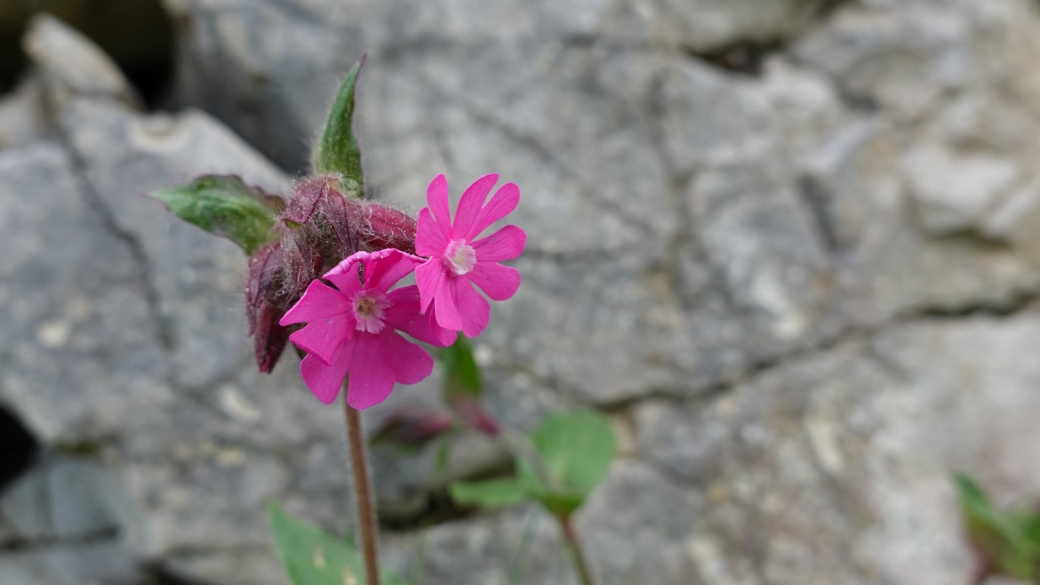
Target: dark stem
{"points": [[366, 512], [574, 544]]}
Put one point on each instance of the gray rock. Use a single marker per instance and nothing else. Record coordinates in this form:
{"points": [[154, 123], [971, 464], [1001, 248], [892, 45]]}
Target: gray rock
{"points": [[836, 467], [268, 68], [706, 25], [70, 522], [22, 117], [72, 64], [732, 264], [953, 193]]}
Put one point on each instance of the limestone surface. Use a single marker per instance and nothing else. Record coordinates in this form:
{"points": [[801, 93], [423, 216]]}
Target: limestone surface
{"points": [[803, 287]]}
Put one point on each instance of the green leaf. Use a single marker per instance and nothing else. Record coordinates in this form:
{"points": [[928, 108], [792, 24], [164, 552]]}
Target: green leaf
{"points": [[226, 206], [337, 151], [972, 496], [461, 373], [493, 493], [982, 522], [1005, 537], [312, 557], [572, 453], [1029, 528], [577, 448]]}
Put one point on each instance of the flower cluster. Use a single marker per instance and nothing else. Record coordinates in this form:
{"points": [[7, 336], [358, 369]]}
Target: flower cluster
{"points": [[354, 314], [320, 225]]}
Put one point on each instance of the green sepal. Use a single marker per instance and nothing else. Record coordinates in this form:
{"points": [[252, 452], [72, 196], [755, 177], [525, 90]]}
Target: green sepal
{"points": [[226, 206], [337, 151]]}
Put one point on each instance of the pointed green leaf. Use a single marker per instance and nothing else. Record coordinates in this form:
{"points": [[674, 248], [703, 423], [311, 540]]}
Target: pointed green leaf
{"points": [[337, 151], [493, 493], [312, 557], [1004, 536], [461, 372], [971, 495], [982, 522], [1030, 530], [226, 206], [577, 448]]}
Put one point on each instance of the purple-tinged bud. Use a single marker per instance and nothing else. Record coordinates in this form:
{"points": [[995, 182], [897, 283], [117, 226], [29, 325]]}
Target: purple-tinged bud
{"points": [[264, 268], [473, 415], [262, 308], [386, 227], [307, 197], [411, 427], [270, 337]]}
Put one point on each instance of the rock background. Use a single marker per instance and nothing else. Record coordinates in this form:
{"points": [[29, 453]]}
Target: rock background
{"points": [[790, 247]]}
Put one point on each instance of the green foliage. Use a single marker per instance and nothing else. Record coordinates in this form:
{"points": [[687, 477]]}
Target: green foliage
{"points": [[571, 455], [226, 206], [337, 151], [1008, 539], [312, 557], [577, 448], [493, 493], [461, 373]]}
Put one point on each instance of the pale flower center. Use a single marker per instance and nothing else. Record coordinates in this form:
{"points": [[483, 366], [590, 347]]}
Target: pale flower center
{"points": [[370, 309], [459, 257]]}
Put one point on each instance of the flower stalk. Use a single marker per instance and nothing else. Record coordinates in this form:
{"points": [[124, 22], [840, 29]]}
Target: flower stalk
{"points": [[366, 512], [570, 535]]}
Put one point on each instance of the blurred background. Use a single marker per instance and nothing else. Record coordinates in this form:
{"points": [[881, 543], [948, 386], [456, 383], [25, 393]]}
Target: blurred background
{"points": [[791, 247]]}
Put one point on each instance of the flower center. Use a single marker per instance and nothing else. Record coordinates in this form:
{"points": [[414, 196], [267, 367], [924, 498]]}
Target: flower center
{"points": [[370, 309], [459, 257]]}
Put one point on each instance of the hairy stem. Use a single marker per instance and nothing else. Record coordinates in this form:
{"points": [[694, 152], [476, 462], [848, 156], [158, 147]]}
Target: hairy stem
{"points": [[366, 511], [574, 545]]}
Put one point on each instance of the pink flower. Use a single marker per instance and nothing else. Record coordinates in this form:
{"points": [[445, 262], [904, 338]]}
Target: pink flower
{"points": [[353, 329], [457, 260]]}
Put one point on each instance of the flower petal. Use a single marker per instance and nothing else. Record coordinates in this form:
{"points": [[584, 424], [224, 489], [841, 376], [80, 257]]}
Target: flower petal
{"points": [[505, 244], [437, 199], [371, 377], [321, 337], [445, 336], [444, 305], [318, 302], [326, 380], [497, 281], [404, 315], [474, 309], [384, 268], [431, 238], [410, 362], [502, 204], [469, 206], [428, 278], [346, 275]]}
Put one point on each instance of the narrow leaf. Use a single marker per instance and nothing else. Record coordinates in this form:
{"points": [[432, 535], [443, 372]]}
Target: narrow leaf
{"points": [[493, 493], [337, 151], [312, 557], [998, 535], [461, 372], [226, 206]]}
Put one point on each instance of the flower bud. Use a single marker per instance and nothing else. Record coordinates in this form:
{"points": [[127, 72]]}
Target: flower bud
{"points": [[411, 427], [473, 415], [386, 227]]}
